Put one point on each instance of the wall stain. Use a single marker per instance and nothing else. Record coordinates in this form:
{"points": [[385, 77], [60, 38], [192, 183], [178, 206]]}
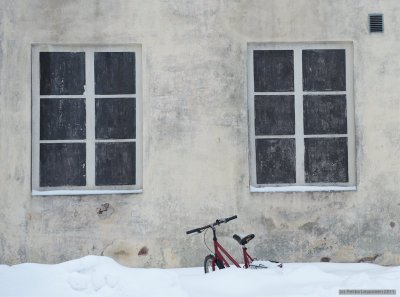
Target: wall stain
{"points": [[143, 251], [325, 259], [370, 259], [105, 210], [268, 223], [121, 253], [313, 228]]}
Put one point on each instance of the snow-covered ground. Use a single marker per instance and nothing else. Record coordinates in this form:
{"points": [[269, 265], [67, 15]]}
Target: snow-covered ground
{"points": [[101, 276]]}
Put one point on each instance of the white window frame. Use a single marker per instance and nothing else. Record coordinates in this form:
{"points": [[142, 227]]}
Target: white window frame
{"points": [[89, 95], [300, 185]]}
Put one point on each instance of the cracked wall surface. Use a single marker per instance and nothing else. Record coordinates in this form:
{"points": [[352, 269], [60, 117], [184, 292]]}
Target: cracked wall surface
{"points": [[195, 135]]}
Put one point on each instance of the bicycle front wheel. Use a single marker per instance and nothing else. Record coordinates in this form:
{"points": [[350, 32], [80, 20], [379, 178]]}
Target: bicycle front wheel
{"points": [[208, 260]]}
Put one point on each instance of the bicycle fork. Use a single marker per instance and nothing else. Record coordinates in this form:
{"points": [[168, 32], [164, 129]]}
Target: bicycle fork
{"points": [[219, 257]]}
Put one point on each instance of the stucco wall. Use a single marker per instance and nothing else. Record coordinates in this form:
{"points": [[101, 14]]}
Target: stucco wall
{"points": [[195, 134]]}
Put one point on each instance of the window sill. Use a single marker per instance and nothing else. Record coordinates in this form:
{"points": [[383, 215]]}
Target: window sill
{"points": [[83, 192], [301, 189]]}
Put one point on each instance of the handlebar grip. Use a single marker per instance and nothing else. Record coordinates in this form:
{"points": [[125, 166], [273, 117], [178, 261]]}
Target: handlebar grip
{"points": [[230, 219], [193, 230]]}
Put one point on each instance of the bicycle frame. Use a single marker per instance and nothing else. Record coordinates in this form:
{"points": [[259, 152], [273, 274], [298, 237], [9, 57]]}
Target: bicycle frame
{"points": [[219, 251]]}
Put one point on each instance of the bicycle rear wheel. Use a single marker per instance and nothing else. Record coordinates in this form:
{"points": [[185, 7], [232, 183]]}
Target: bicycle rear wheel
{"points": [[208, 264]]}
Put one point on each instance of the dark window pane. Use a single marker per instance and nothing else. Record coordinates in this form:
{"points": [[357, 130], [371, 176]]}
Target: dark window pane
{"points": [[325, 114], [62, 73], [115, 163], [324, 70], [62, 119], [274, 115], [273, 71], [62, 164], [114, 73], [115, 118], [325, 160], [275, 161]]}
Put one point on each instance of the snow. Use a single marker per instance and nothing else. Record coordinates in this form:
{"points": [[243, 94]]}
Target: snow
{"points": [[102, 276]]}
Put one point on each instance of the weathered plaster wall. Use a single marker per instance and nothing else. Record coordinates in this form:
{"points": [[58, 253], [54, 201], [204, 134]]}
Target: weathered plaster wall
{"points": [[196, 134]]}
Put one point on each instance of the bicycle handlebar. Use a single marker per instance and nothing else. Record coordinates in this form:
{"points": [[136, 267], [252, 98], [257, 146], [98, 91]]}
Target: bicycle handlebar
{"points": [[198, 230], [217, 222]]}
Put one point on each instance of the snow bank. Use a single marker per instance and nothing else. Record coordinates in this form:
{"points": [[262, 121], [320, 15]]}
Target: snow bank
{"points": [[102, 276]]}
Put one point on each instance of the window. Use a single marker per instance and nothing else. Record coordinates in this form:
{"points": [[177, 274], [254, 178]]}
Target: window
{"points": [[301, 117], [86, 120]]}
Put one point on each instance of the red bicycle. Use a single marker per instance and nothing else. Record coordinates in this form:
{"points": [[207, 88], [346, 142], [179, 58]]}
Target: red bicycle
{"points": [[217, 259]]}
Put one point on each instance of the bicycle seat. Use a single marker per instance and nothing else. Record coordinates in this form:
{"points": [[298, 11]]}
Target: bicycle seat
{"points": [[244, 239]]}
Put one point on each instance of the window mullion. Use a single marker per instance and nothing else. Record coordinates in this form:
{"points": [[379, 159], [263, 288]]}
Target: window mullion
{"points": [[299, 129], [90, 119]]}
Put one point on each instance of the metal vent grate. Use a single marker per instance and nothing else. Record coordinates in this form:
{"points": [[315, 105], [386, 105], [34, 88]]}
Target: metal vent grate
{"points": [[375, 23]]}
